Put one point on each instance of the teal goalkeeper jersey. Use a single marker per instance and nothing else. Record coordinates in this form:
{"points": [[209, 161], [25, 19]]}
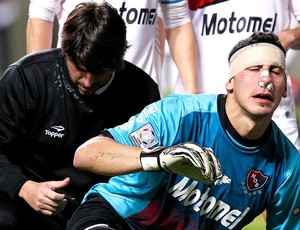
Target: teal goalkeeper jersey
{"points": [[256, 175]]}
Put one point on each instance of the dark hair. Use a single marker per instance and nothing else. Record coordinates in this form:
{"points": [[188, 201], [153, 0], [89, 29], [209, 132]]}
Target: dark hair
{"points": [[94, 37], [257, 37]]}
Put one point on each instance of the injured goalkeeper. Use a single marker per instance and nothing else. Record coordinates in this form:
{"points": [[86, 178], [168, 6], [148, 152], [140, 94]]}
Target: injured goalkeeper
{"points": [[206, 161]]}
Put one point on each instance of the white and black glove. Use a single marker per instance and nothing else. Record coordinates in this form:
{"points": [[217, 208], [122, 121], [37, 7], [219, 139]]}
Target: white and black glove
{"points": [[187, 159]]}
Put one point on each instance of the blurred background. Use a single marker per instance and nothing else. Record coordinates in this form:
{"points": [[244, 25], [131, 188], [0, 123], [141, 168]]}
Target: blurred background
{"points": [[13, 19]]}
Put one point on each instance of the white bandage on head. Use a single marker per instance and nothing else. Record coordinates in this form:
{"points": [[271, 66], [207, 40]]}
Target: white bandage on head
{"points": [[256, 54]]}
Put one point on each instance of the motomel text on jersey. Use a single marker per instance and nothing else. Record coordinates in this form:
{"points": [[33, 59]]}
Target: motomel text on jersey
{"points": [[144, 16], [216, 25], [207, 205]]}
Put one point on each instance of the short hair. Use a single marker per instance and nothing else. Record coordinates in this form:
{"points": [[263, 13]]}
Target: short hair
{"points": [[257, 37], [94, 37]]}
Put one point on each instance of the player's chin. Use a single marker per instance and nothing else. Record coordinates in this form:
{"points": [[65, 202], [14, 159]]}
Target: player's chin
{"points": [[86, 92]]}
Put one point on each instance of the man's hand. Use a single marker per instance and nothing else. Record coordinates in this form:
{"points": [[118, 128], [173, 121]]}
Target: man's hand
{"points": [[188, 159], [43, 198]]}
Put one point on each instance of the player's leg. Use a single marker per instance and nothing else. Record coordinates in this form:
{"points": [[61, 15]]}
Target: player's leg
{"points": [[96, 214]]}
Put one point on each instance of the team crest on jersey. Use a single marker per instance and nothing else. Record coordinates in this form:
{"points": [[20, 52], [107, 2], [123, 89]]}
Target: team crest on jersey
{"points": [[196, 4], [144, 137], [256, 179]]}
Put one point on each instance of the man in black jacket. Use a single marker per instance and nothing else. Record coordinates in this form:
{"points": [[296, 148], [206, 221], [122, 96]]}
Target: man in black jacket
{"points": [[52, 102]]}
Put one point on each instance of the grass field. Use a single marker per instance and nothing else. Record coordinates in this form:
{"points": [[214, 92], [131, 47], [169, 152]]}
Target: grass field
{"points": [[257, 224]]}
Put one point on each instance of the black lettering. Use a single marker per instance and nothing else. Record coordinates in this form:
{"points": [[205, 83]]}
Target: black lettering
{"points": [[152, 16], [144, 17], [122, 9], [144, 14], [212, 25], [241, 24], [135, 14], [267, 25], [274, 23], [231, 20], [221, 29], [255, 21]]}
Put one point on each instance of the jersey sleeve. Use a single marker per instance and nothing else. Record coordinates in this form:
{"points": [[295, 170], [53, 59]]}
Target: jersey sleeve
{"points": [[12, 128], [284, 212], [174, 13], [43, 9], [156, 125], [296, 9]]}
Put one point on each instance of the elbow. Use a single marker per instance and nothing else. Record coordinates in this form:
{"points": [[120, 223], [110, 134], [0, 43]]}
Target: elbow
{"points": [[78, 160]]}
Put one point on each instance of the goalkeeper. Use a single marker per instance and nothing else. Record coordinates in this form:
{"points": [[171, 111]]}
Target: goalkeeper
{"points": [[200, 161]]}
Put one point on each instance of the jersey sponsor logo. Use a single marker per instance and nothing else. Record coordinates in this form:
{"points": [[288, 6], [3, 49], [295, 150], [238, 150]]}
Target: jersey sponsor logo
{"points": [[57, 133], [58, 128], [207, 205], [256, 180], [143, 16], [217, 25], [144, 137], [197, 4]]}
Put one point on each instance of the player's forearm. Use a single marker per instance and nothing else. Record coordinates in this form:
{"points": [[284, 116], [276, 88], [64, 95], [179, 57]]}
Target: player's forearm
{"points": [[39, 34], [183, 49], [103, 155], [296, 33], [290, 39]]}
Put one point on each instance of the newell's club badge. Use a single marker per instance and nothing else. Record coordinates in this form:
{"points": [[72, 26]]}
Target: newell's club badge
{"points": [[144, 137], [256, 179]]}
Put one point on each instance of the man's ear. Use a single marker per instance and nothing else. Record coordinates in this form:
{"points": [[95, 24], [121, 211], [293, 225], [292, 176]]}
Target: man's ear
{"points": [[284, 94], [229, 84]]}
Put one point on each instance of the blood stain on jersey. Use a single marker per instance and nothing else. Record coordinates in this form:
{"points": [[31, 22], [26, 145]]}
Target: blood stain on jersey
{"points": [[256, 179]]}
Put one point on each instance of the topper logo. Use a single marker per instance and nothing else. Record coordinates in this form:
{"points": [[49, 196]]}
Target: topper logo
{"points": [[57, 134]]}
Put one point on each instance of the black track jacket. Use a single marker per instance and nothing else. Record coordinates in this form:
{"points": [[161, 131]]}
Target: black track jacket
{"points": [[43, 119]]}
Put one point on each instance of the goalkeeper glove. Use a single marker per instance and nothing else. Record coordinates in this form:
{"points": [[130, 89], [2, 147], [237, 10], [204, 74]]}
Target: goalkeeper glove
{"points": [[187, 159]]}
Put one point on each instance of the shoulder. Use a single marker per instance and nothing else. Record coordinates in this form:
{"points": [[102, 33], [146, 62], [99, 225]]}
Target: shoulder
{"points": [[134, 72], [135, 79], [190, 103], [37, 58], [33, 66], [202, 100], [287, 152]]}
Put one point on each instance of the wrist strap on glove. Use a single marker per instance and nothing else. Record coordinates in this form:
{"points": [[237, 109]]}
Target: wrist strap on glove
{"points": [[150, 159]]}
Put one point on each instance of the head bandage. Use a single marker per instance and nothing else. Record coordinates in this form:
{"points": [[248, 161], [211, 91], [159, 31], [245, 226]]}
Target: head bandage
{"points": [[256, 54]]}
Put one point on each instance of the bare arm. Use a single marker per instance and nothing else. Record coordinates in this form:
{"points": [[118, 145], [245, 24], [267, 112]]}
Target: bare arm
{"points": [[103, 155], [39, 34], [290, 39], [182, 43]]}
